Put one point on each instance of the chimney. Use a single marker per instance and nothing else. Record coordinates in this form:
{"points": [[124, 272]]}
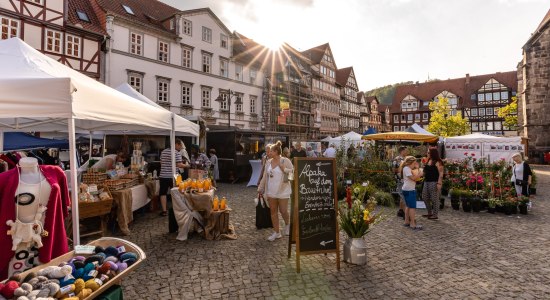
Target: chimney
{"points": [[467, 78]]}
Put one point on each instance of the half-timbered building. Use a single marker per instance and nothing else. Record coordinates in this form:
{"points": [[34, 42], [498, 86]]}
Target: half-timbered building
{"points": [[349, 107]]}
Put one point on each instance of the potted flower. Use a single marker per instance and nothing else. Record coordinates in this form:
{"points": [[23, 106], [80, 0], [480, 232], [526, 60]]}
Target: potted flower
{"points": [[522, 205], [533, 186], [356, 219], [455, 198], [492, 204], [465, 198], [510, 205], [475, 200]]}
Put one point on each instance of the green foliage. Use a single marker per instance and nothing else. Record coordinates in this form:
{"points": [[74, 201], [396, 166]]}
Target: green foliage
{"points": [[384, 198], [533, 179], [385, 94], [357, 219], [510, 114], [442, 123]]}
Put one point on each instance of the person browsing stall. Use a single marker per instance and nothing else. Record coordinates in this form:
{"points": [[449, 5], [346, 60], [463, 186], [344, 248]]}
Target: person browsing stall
{"points": [[166, 177], [298, 151], [410, 174], [277, 189], [521, 175], [433, 181], [108, 162]]}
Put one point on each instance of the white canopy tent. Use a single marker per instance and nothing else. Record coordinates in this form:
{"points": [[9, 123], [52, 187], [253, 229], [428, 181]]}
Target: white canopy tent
{"points": [[482, 146], [350, 138], [38, 93]]}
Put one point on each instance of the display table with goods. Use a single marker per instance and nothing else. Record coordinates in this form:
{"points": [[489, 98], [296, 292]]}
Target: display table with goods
{"points": [[93, 202], [85, 273], [197, 209]]}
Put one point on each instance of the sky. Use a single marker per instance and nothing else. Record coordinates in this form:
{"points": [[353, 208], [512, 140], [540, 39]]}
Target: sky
{"points": [[390, 41]]}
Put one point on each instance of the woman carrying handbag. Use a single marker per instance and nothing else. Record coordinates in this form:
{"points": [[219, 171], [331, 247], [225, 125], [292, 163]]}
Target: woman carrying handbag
{"points": [[277, 188]]}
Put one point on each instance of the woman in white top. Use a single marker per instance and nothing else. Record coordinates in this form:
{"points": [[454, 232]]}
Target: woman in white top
{"points": [[277, 189], [410, 174], [521, 175]]}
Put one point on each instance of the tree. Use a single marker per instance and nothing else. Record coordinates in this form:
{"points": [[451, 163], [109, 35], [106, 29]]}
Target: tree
{"points": [[385, 94], [444, 124], [510, 114]]}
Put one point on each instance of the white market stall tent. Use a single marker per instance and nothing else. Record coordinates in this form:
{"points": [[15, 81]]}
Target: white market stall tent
{"points": [[350, 138], [38, 93], [482, 146]]}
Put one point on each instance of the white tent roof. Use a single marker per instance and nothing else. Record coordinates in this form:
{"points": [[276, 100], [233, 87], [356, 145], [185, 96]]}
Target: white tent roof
{"points": [[327, 139], [181, 124], [350, 136], [39, 93], [479, 137], [418, 129]]}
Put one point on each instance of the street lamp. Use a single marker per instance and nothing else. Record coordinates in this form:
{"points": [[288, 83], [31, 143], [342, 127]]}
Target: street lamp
{"points": [[229, 94]]}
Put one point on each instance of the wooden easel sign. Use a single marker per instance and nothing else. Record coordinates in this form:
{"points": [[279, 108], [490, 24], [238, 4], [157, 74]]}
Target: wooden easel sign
{"points": [[315, 210]]}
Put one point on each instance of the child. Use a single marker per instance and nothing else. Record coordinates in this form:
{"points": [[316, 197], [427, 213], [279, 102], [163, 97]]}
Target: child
{"points": [[411, 174]]}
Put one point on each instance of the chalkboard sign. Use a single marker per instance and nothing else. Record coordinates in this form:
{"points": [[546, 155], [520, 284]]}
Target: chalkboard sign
{"points": [[315, 207]]}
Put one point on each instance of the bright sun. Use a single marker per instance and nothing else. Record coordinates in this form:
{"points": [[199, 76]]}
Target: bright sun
{"points": [[271, 42]]}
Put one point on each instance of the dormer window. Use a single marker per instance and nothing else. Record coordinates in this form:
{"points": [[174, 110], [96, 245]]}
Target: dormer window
{"points": [[128, 9], [82, 16], [409, 103]]}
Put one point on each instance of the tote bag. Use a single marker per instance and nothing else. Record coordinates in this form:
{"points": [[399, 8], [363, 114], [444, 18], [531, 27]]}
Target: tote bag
{"points": [[263, 214]]}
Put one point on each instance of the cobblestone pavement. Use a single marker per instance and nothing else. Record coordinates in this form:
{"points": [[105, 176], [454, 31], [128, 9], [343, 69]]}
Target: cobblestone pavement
{"points": [[460, 256]]}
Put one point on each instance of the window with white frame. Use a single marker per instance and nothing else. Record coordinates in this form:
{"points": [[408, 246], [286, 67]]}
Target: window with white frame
{"points": [[135, 80], [409, 118], [473, 112], [489, 111], [403, 118], [409, 103], [9, 29], [498, 125], [225, 98], [206, 34], [253, 104], [206, 62], [187, 57], [136, 43], [475, 126], [163, 85], [224, 42], [41, 2], [239, 100], [395, 128], [403, 128], [163, 51], [205, 96], [252, 74], [480, 98], [481, 112], [187, 27], [53, 41], [239, 72], [417, 117], [396, 118], [224, 67], [504, 95], [425, 116], [489, 125], [72, 45], [186, 92]]}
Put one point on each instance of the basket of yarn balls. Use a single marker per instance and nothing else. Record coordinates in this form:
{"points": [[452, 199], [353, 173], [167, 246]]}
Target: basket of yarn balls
{"points": [[80, 277]]}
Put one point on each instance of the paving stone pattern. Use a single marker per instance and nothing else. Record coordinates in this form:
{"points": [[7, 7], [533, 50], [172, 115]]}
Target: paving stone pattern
{"points": [[460, 256]]}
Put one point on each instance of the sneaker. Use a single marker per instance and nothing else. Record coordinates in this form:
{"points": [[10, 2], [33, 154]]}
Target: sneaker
{"points": [[287, 230], [274, 236]]}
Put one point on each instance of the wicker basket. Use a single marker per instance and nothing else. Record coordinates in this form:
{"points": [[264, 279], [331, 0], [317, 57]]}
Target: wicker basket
{"points": [[103, 242], [115, 184], [89, 209], [94, 178]]}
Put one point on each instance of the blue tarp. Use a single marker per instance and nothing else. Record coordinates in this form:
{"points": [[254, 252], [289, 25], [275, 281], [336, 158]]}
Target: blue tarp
{"points": [[21, 141], [370, 130]]}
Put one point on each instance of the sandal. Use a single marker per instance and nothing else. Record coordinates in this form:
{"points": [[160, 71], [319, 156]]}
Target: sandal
{"points": [[417, 227], [163, 213]]}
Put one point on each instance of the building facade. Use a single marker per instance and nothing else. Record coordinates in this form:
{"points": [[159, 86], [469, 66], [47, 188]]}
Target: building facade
{"points": [[349, 106], [324, 89], [478, 98], [533, 88], [375, 115], [67, 31], [289, 105], [183, 60]]}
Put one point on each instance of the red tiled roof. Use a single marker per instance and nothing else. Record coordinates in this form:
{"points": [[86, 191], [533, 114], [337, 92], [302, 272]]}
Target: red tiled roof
{"points": [[382, 108], [150, 12], [86, 7], [458, 86], [315, 54], [342, 75], [370, 98]]}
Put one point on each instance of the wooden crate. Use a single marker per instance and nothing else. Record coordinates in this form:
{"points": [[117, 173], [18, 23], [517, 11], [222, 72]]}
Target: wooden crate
{"points": [[103, 242], [89, 209]]}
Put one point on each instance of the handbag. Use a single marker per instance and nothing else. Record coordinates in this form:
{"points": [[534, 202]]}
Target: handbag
{"points": [[519, 182], [263, 213]]}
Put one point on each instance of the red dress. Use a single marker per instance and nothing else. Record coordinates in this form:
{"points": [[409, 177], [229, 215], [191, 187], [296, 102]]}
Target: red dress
{"points": [[55, 244]]}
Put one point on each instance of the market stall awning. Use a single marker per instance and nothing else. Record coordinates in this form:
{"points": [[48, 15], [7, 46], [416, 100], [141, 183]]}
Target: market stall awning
{"points": [[401, 135], [24, 141]]}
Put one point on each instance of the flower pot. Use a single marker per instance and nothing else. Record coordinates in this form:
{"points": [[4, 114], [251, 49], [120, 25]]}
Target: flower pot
{"points": [[444, 192], [508, 210], [523, 209], [455, 204], [499, 208], [476, 204], [466, 205], [532, 191], [514, 209], [441, 202], [355, 251], [491, 210]]}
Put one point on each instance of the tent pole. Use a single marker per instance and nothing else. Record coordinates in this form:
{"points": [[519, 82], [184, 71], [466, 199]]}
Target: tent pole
{"points": [[90, 149], [1, 141], [104, 144], [173, 145], [73, 182]]}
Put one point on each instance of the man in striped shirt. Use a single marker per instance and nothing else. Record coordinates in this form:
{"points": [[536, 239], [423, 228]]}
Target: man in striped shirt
{"points": [[166, 176]]}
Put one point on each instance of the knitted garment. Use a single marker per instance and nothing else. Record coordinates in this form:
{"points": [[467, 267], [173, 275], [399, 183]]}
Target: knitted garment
{"points": [[55, 244]]}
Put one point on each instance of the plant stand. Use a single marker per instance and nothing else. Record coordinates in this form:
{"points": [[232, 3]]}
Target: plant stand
{"points": [[355, 251]]}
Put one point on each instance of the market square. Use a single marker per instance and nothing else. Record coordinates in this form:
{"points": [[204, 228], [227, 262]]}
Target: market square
{"points": [[203, 149]]}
